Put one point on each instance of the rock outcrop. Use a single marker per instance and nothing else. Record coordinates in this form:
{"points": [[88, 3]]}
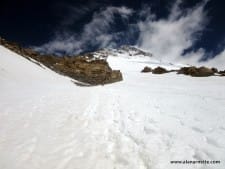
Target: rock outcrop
{"points": [[146, 69], [215, 70], [159, 70], [191, 71], [196, 72], [222, 73], [84, 68], [92, 72]]}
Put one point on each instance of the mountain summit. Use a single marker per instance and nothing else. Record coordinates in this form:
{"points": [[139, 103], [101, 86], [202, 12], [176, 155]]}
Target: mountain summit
{"points": [[128, 51]]}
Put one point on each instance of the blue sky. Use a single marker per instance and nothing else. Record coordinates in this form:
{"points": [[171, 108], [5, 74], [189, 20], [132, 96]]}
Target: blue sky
{"points": [[168, 29]]}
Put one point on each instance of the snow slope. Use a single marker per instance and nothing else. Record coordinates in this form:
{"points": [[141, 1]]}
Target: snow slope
{"points": [[143, 122]]}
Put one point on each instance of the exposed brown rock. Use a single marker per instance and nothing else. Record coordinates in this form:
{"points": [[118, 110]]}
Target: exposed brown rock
{"points": [[204, 71], [187, 70], [196, 72], [84, 68], [159, 70], [146, 69], [92, 72]]}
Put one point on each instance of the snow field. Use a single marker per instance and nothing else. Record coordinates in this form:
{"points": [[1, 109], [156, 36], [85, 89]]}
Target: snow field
{"points": [[143, 122]]}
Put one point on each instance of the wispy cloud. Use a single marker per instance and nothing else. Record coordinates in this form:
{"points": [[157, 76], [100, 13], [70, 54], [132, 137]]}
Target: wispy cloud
{"points": [[168, 38], [218, 61], [95, 33]]}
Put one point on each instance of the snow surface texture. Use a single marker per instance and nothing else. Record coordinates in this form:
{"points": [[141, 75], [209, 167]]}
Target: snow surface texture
{"points": [[143, 122]]}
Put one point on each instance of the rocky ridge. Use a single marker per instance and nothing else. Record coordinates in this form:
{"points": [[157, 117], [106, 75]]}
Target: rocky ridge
{"points": [[129, 51], [85, 68]]}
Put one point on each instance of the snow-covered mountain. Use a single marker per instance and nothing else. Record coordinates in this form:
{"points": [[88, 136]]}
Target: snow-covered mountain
{"points": [[143, 122], [134, 54], [128, 51]]}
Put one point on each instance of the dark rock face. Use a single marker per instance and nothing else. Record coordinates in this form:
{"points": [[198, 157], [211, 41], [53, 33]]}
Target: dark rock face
{"points": [[222, 73], [84, 68], [146, 69], [196, 72], [215, 70], [159, 70]]}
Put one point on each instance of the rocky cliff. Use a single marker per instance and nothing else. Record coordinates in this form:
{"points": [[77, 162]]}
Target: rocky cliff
{"points": [[85, 68]]}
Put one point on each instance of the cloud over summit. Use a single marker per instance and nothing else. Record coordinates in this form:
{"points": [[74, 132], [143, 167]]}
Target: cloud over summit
{"points": [[170, 38]]}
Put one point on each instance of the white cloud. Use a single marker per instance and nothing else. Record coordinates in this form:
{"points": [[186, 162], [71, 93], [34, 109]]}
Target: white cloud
{"points": [[97, 29], [218, 61], [96, 32], [168, 38]]}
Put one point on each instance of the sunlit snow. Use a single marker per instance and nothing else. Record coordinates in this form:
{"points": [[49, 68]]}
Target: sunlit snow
{"points": [[143, 122]]}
